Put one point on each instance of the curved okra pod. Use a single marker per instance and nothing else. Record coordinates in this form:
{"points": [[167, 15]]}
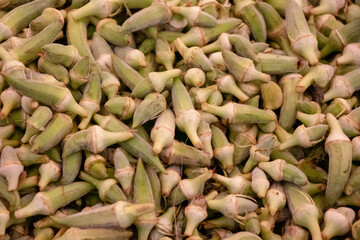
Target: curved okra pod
{"points": [[157, 13], [339, 148], [108, 189], [58, 70], [320, 74], [195, 16], [137, 146], [46, 203], [60, 125], [28, 105], [79, 73], [49, 172], [94, 139], [111, 32], [164, 53], [28, 158], [120, 214], [195, 213], [60, 54]]}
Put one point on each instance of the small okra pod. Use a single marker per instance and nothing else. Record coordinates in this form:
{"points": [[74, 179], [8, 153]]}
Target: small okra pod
{"points": [[340, 106], [339, 148], [193, 56], [153, 105], [235, 184], [101, 51], [246, 10], [95, 233], [95, 166], [320, 74], [271, 95], [195, 16], [163, 132], [303, 209], [337, 222], [310, 120], [10, 167], [79, 73], [330, 7], [164, 53], [94, 139], [111, 32], [28, 105], [227, 84], [143, 194], [4, 218], [242, 45], [97, 8], [124, 172], [242, 144], [165, 221], [192, 187], [91, 99], [46, 203], [61, 54], [187, 118], [339, 38], [170, 179], [110, 85], [156, 188], [275, 198], [10, 100], [350, 123], [195, 213], [350, 55], [314, 188], [232, 205], [199, 95], [129, 76], [261, 151], [288, 85], [108, 189], [123, 107], [313, 172], [157, 13], [198, 36], [58, 70], [136, 146], [243, 69], [28, 158], [259, 182], [216, 98], [133, 57], [119, 214], [223, 150], [49, 172], [180, 153], [60, 125], [305, 137], [343, 85], [204, 131], [222, 43], [238, 113], [302, 40]]}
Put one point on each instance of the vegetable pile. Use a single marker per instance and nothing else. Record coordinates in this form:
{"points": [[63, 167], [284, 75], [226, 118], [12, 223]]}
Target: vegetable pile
{"points": [[179, 119]]}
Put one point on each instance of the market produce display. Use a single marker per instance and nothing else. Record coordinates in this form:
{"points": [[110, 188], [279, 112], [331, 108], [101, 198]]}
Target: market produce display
{"points": [[179, 119]]}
